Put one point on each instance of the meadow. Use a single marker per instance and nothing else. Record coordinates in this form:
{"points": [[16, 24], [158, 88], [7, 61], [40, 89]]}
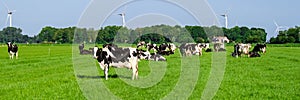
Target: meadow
{"points": [[58, 72]]}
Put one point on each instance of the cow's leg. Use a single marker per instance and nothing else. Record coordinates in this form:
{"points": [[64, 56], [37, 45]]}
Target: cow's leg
{"points": [[12, 55], [137, 72], [16, 55], [134, 71], [106, 71], [9, 55]]}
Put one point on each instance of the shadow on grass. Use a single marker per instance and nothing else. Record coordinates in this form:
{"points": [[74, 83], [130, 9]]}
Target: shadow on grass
{"points": [[99, 77]]}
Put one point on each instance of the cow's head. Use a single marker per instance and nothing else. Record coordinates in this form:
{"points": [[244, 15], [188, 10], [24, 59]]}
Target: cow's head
{"points": [[96, 52], [172, 47], [263, 48], [9, 44], [81, 46]]}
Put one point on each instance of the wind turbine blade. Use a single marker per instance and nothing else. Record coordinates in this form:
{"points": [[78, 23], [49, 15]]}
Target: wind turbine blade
{"points": [[227, 11], [125, 8], [276, 24], [5, 6]]}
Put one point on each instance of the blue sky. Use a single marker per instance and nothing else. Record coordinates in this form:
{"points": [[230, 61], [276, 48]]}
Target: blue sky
{"points": [[32, 15]]}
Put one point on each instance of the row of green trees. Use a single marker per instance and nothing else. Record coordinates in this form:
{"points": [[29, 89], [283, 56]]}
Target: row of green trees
{"points": [[154, 34], [292, 35], [12, 34]]}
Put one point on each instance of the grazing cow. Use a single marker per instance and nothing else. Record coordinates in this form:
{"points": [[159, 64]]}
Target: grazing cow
{"points": [[141, 43], [219, 47], [112, 55], [166, 49], [12, 50], [84, 52], [188, 49]]}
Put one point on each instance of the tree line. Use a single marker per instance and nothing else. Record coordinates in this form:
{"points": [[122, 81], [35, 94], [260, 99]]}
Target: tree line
{"points": [[292, 35], [154, 34]]}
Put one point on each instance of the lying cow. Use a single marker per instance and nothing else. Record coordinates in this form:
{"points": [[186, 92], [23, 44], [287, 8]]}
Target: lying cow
{"points": [[240, 49], [253, 54], [141, 43], [112, 55], [166, 49], [152, 56], [245, 48], [151, 46], [219, 47], [12, 50], [258, 48], [84, 52], [188, 49]]}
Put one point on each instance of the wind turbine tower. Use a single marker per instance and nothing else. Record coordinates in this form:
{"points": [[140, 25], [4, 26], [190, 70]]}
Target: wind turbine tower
{"points": [[9, 15], [226, 19], [123, 19]]}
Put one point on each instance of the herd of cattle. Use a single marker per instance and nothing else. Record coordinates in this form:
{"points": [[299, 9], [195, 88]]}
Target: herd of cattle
{"points": [[128, 57]]}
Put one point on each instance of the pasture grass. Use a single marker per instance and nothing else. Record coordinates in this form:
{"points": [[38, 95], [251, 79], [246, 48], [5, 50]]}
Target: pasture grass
{"points": [[41, 72], [47, 72]]}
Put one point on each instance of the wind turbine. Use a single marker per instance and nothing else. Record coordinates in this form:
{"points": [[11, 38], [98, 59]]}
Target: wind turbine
{"points": [[123, 17], [225, 15], [226, 19], [9, 15], [279, 28]]}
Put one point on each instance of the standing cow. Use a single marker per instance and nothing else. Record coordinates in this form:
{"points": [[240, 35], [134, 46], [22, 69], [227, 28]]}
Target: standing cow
{"points": [[12, 50], [112, 55]]}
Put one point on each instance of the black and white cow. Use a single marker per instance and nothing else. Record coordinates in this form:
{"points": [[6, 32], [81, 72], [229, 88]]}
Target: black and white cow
{"points": [[141, 43], [240, 49], [166, 49], [219, 47], [258, 48], [245, 48], [12, 50], [188, 49], [152, 56], [84, 52], [236, 53], [151, 46], [112, 55]]}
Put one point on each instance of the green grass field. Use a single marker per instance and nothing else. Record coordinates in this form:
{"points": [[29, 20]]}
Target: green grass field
{"points": [[47, 72]]}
